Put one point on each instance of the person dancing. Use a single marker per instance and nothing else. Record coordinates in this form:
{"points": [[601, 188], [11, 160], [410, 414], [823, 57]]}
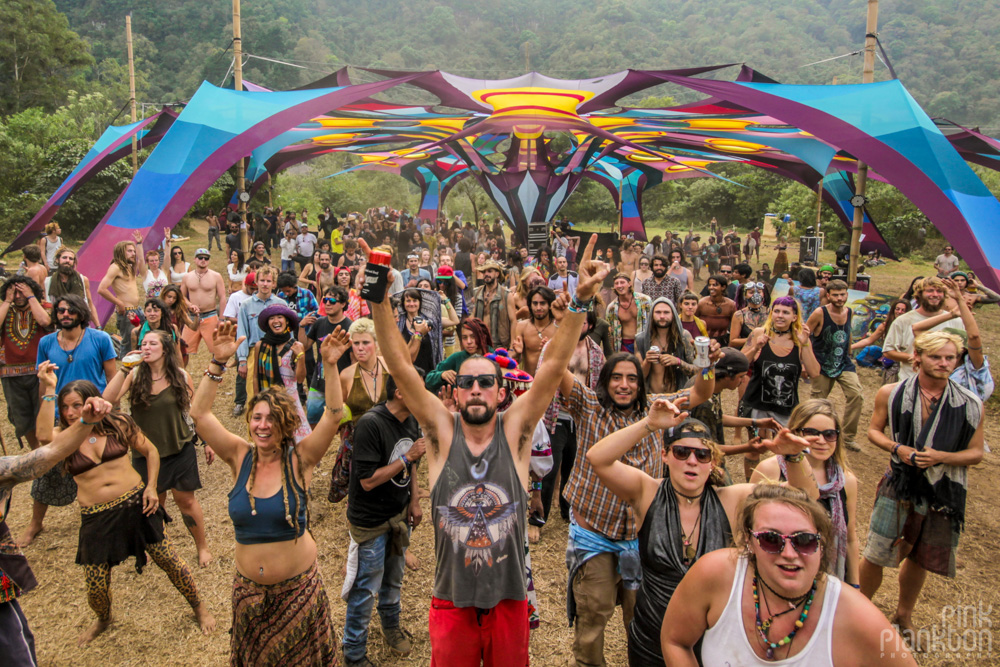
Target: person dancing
{"points": [[281, 613], [159, 391], [121, 516], [681, 516]]}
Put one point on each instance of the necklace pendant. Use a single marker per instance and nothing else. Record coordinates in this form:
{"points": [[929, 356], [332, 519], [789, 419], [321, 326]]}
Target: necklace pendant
{"points": [[770, 653], [69, 358]]}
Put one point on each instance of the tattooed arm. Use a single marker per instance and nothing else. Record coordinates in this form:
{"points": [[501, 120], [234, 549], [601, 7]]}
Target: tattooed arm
{"points": [[24, 468]]}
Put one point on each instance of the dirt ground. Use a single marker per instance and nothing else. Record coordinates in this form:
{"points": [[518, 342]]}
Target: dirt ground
{"points": [[154, 626]]}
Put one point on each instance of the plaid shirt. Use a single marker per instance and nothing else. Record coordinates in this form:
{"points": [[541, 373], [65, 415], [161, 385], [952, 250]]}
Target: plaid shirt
{"points": [[589, 498], [670, 288], [303, 303]]}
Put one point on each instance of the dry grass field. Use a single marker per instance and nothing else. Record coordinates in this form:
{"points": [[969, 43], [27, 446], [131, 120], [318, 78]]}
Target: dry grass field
{"points": [[153, 625]]}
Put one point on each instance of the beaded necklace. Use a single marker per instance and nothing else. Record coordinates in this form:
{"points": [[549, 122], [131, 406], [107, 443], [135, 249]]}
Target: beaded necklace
{"points": [[764, 627]]}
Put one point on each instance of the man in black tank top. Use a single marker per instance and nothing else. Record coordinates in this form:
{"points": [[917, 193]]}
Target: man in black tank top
{"points": [[831, 331], [478, 472]]}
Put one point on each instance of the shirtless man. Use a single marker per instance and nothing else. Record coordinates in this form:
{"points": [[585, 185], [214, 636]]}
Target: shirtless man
{"points": [[205, 290], [717, 310], [630, 257], [34, 267], [532, 334], [627, 313], [126, 264], [321, 276]]}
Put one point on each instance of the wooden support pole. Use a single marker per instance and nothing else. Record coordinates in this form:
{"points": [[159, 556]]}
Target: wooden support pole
{"points": [[238, 85], [867, 76], [131, 90]]}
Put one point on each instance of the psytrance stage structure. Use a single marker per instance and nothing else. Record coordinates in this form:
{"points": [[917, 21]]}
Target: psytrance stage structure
{"points": [[503, 134]]}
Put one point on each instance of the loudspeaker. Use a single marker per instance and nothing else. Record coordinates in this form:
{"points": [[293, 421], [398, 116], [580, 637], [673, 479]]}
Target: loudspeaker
{"points": [[808, 250]]}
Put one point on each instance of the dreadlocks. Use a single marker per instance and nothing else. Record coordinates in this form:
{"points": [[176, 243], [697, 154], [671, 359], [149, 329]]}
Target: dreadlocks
{"points": [[484, 342]]}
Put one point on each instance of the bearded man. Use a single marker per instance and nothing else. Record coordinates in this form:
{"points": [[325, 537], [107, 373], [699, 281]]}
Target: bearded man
{"points": [[660, 284], [930, 292], [494, 304], [67, 280], [126, 264], [532, 334]]}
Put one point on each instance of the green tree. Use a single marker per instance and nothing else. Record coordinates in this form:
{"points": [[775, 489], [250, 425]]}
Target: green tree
{"points": [[40, 57]]}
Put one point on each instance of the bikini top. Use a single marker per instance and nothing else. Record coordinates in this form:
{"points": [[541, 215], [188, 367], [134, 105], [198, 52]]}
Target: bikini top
{"points": [[79, 463], [268, 524]]}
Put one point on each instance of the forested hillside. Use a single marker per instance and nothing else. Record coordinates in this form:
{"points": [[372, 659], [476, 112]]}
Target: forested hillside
{"points": [[945, 51]]}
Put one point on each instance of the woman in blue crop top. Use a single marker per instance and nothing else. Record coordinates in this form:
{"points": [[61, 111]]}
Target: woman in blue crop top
{"points": [[121, 517], [275, 553]]}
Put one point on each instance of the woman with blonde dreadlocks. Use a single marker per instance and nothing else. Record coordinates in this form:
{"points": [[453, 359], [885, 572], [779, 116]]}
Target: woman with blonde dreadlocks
{"points": [[280, 359], [281, 613]]}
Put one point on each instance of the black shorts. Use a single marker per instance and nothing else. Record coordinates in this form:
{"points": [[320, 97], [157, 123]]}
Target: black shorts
{"points": [[178, 472], [21, 392]]}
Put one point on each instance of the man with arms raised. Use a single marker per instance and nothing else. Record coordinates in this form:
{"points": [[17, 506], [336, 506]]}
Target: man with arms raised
{"points": [[935, 434], [478, 472], [67, 280], [206, 290], [931, 293], [126, 264], [532, 334]]}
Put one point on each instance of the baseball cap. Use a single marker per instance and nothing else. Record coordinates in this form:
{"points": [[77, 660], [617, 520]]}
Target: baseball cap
{"points": [[202, 251]]}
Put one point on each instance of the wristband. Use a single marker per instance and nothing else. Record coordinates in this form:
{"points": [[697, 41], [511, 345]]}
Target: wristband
{"points": [[220, 364], [795, 458], [298, 356], [418, 335], [32, 296], [577, 306], [49, 397], [896, 447], [856, 586], [913, 459], [212, 376], [406, 461], [89, 423], [536, 486]]}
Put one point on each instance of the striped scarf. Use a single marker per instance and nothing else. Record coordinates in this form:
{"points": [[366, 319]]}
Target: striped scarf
{"points": [[272, 348], [831, 493]]}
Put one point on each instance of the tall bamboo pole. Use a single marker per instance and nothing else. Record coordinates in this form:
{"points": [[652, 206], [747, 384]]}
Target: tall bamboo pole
{"points": [[867, 76], [238, 85], [819, 205], [131, 90]]}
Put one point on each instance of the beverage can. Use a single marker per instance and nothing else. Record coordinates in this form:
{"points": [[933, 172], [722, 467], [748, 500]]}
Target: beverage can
{"points": [[701, 346], [654, 349]]}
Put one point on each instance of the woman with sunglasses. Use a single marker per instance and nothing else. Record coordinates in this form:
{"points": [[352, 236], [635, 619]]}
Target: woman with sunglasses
{"points": [[684, 514], [178, 267], [816, 421], [770, 599], [642, 273]]}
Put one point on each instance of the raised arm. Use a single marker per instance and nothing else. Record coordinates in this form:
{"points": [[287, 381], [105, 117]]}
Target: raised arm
{"points": [[632, 485], [974, 340], [26, 467], [227, 445], [140, 255], [313, 447], [533, 404], [46, 418], [424, 405]]}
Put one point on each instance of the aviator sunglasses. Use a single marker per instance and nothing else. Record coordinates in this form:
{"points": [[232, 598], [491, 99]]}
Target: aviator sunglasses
{"points": [[773, 542], [828, 434], [682, 452], [466, 381]]}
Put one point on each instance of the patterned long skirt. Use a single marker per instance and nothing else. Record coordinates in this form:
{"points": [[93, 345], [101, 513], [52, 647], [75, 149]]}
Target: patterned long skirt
{"points": [[287, 623]]}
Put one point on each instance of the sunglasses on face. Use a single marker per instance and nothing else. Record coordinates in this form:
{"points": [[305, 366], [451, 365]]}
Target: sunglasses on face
{"points": [[828, 434], [725, 272], [682, 453], [329, 300], [466, 381], [773, 542], [63, 309]]}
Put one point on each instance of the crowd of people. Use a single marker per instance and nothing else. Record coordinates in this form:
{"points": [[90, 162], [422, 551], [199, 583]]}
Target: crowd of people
{"points": [[572, 377]]}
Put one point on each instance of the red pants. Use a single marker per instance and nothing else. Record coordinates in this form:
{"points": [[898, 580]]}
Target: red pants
{"points": [[468, 637]]}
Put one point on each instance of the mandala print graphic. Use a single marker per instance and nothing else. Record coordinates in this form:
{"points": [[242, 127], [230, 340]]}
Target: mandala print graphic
{"points": [[478, 518], [834, 358]]}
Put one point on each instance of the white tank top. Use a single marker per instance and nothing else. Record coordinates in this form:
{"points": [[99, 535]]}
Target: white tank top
{"points": [[175, 277], [726, 642]]}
